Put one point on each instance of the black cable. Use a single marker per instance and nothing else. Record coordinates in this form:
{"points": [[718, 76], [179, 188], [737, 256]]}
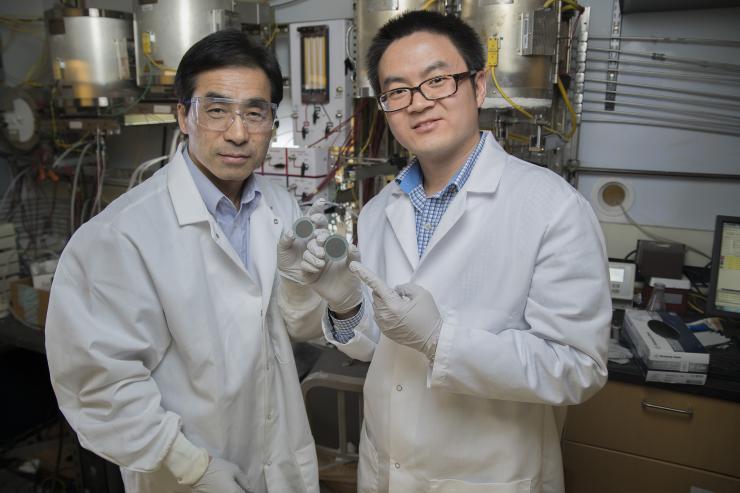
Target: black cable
{"points": [[633, 252], [327, 114]]}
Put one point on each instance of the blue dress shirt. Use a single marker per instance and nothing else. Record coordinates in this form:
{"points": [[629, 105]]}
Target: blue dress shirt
{"points": [[233, 222]]}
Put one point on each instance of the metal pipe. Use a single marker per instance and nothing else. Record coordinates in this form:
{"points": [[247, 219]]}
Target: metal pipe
{"points": [[689, 102], [644, 172], [680, 121], [667, 75], [663, 57], [659, 39], [679, 111], [668, 89], [657, 124]]}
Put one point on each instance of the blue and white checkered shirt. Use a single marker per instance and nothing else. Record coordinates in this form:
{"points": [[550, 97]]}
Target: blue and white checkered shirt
{"points": [[428, 212]]}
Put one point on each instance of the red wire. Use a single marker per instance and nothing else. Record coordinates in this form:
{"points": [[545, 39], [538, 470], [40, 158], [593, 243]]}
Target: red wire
{"points": [[338, 127]]}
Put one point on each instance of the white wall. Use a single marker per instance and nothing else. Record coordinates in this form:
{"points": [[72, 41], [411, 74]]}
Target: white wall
{"points": [[682, 208]]}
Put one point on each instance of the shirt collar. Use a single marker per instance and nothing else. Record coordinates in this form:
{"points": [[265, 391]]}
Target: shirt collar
{"points": [[210, 193], [411, 177]]}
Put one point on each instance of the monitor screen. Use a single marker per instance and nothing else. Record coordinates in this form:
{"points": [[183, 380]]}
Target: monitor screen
{"points": [[723, 298]]}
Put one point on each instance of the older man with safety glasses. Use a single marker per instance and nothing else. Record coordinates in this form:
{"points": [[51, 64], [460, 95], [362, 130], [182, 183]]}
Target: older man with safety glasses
{"points": [[168, 332]]}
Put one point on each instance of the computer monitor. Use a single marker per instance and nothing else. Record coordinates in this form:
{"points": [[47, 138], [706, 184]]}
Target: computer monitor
{"points": [[723, 298]]}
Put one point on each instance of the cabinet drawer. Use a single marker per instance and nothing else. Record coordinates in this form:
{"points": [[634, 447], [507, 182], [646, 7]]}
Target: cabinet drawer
{"points": [[620, 418], [591, 469]]}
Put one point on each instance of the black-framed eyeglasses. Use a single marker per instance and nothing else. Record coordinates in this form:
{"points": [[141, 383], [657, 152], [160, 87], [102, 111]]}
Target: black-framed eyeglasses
{"points": [[438, 87]]}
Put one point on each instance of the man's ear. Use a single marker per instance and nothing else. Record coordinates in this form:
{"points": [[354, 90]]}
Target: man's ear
{"points": [[480, 83], [182, 117]]}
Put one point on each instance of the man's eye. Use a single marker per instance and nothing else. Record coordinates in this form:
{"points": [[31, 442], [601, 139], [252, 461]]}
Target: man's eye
{"points": [[436, 81], [216, 112], [399, 93]]}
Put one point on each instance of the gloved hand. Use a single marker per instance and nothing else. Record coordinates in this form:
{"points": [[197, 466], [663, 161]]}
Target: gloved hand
{"points": [[221, 477], [408, 315], [332, 280], [290, 250]]}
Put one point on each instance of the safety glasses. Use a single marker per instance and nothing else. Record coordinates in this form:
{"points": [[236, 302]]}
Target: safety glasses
{"points": [[218, 114]]}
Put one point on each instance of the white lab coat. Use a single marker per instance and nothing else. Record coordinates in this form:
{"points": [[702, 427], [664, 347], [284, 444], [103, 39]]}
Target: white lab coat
{"points": [[518, 270], [154, 325]]}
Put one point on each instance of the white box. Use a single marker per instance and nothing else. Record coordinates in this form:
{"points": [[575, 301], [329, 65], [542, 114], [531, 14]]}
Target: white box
{"points": [[308, 162], [278, 180], [9, 263], [275, 162], [338, 108], [305, 189], [7, 229], [7, 243], [7, 236], [42, 273], [668, 376], [682, 352]]}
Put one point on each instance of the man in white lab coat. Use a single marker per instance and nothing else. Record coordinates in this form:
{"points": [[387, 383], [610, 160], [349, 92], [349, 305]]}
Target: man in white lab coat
{"points": [[501, 307], [168, 328]]}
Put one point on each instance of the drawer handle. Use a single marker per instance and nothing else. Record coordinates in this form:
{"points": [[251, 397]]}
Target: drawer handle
{"points": [[686, 412]]}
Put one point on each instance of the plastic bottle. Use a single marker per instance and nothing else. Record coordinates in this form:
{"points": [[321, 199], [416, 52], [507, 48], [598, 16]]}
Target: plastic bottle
{"points": [[657, 299]]}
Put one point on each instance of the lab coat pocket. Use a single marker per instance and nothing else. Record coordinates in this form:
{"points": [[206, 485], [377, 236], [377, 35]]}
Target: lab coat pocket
{"points": [[306, 459], [457, 486], [367, 470]]}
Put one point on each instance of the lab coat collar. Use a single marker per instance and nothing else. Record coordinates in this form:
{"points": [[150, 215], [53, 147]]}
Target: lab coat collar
{"points": [[484, 179], [486, 174], [186, 200]]}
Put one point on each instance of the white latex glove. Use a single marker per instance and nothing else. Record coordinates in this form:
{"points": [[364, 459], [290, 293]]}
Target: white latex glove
{"points": [[221, 477], [408, 315], [332, 280], [290, 250]]}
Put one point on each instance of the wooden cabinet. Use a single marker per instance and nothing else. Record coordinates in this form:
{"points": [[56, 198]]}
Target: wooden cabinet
{"points": [[634, 438]]}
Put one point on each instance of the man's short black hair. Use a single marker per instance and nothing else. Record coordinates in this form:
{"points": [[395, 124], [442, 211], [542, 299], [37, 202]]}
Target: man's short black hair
{"points": [[462, 35], [228, 48]]}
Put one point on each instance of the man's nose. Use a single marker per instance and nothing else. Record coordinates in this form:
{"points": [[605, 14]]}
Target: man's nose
{"points": [[237, 131], [418, 101]]}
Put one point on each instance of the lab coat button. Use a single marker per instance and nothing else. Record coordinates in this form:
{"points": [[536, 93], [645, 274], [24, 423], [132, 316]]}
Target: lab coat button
{"points": [[269, 462], [427, 226], [398, 466], [276, 221], [399, 388]]}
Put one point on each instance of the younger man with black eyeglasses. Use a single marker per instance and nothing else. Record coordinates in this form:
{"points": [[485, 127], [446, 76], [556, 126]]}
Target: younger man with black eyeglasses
{"points": [[500, 312]]}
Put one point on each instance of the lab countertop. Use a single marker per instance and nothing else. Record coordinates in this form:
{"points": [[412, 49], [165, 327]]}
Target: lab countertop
{"points": [[717, 387], [723, 381]]}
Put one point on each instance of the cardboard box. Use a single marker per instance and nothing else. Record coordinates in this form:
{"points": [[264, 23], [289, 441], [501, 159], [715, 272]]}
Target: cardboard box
{"points": [[663, 342], [28, 303]]}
